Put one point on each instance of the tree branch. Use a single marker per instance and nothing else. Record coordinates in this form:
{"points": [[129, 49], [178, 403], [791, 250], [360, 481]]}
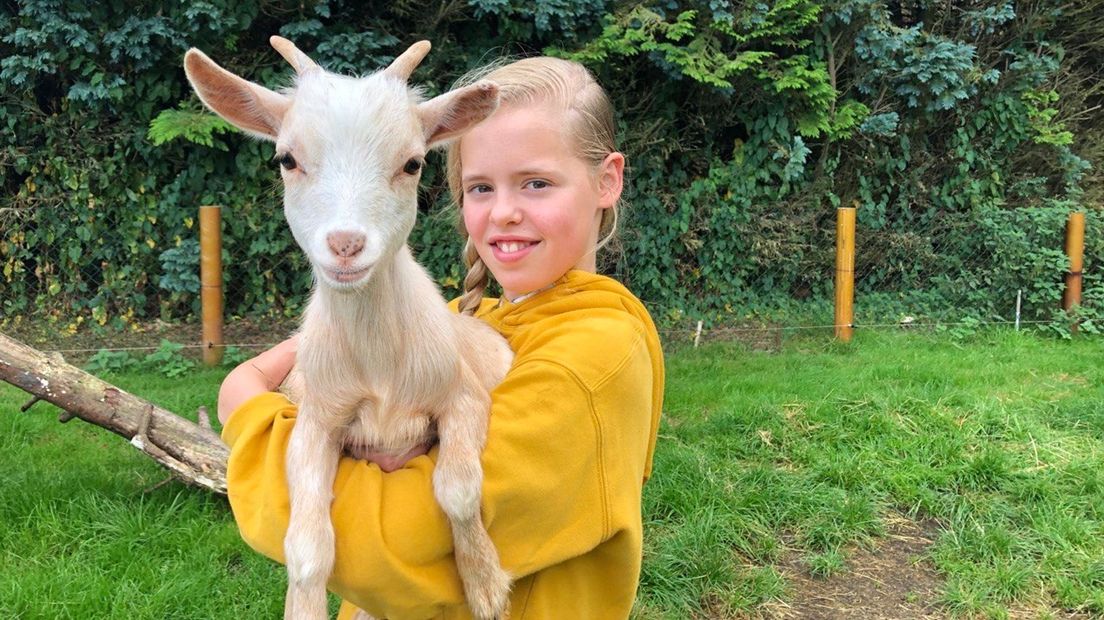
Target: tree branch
{"points": [[194, 454]]}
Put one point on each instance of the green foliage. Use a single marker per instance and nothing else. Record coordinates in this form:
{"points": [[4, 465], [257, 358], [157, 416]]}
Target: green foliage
{"points": [[196, 127], [168, 360], [925, 70], [527, 20], [180, 268], [745, 125], [1042, 118], [715, 48], [643, 30], [989, 19], [108, 361], [232, 356]]}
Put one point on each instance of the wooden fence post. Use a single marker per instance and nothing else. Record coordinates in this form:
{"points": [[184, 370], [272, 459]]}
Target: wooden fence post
{"points": [[845, 272], [1075, 250], [210, 276]]}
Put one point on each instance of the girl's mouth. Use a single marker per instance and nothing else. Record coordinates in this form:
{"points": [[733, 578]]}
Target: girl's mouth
{"points": [[512, 250]]}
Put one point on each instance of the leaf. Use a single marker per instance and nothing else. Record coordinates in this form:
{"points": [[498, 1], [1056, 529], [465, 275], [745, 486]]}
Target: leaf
{"points": [[196, 127]]}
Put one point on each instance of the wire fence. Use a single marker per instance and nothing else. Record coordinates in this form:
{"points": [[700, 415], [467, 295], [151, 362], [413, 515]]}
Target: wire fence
{"points": [[999, 268], [957, 273]]}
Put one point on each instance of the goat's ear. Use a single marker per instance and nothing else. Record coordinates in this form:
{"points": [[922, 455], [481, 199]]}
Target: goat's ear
{"points": [[248, 106], [451, 114]]}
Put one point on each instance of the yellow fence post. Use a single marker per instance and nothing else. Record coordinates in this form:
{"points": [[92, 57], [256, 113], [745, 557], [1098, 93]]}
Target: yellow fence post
{"points": [[1075, 250], [210, 277], [845, 272]]}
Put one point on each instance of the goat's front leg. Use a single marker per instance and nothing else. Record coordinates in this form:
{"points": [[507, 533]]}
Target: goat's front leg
{"points": [[458, 484], [309, 544]]}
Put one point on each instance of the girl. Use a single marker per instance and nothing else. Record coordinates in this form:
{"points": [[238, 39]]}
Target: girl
{"points": [[572, 426]]}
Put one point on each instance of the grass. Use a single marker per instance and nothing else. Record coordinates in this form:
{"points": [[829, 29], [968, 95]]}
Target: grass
{"points": [[81, 537], [808, 453], [1000, 439]]}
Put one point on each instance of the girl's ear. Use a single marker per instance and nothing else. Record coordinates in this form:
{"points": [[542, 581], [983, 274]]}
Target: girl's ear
{"points": [[611, 180]]}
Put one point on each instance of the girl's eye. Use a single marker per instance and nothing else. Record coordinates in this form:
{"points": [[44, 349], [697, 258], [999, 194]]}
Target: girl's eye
{"points": [[286, 161], [479, 189], [413, 165], [537, 184]]}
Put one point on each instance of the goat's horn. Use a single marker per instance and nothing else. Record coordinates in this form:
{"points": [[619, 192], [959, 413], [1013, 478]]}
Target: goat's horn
{"points": [[409, 60], [295, 58]]}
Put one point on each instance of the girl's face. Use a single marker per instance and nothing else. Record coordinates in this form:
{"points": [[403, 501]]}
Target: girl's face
{"points": [[531, 206]]}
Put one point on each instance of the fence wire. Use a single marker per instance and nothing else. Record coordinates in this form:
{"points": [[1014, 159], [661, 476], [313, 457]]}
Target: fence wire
{"points": [[943, 271]]}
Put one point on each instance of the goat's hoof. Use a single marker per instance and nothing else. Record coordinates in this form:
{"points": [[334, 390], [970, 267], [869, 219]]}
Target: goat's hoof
{"points": [[490, 598]]}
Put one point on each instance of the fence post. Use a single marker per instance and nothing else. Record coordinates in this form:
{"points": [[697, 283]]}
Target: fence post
{"points": [[845, 272], [210, 277], [1075, 250]]}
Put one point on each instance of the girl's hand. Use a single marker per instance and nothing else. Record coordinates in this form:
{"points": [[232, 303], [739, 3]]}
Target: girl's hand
{"points": [[263, 373]]}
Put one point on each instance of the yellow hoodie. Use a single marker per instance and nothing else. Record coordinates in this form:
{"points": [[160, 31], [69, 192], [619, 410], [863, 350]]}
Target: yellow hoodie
{"points": [[571, 437]]}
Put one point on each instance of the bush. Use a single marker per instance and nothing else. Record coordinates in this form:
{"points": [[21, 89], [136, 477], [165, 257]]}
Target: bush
{"points": [[745, 124]]}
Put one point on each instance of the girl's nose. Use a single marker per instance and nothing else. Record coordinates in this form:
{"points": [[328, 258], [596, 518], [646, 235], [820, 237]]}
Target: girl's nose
{"points": [[505, 211]]}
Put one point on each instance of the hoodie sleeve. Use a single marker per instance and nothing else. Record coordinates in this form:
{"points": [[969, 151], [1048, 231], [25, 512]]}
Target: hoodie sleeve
{"points": [[557, 438]]}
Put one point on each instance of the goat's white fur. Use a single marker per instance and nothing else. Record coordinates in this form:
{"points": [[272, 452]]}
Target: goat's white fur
{"points": [[381, 360]]}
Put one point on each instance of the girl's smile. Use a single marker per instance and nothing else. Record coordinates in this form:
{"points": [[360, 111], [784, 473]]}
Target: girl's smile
{"points": [[507, 249]]}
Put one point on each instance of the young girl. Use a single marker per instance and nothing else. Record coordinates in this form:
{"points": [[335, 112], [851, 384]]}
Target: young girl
{"points": [[573, 424]]}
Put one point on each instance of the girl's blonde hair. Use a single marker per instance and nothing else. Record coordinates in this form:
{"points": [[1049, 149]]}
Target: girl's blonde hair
{"points": [[566, 86]]}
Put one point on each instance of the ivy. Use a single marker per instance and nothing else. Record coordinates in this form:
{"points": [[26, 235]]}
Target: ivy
{"points": [[531, 20], [957, 129]]}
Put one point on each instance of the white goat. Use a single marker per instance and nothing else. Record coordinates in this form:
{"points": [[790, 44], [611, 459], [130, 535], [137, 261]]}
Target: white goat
{"points": [[385, 366]]}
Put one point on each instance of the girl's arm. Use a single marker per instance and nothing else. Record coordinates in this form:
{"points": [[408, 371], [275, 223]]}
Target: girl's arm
{"points": [[260, 374], [564, 458]]}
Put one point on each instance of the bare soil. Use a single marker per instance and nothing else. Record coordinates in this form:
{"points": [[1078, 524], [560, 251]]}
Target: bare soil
{"points": [[890, 580]]}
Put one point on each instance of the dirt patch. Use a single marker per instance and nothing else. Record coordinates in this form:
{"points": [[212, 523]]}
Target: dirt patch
{"points": [[891, 580], [756, 336]]}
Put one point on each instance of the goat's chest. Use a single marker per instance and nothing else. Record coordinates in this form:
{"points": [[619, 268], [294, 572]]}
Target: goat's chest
{"points": [[394, 431], [379, 390], [393, 408]]}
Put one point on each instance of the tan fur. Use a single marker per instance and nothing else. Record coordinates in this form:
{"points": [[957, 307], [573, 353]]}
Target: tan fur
{"points": [[383, 366]]}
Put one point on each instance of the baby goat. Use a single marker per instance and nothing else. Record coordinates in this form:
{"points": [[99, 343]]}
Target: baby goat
{"points": [[384, 365]]}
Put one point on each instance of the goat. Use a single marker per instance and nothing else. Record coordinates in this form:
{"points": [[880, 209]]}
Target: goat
{"points": [[383, 364]]}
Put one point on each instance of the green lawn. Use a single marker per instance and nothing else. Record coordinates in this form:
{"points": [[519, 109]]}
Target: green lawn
{"points": [[997, 439], [81, 538]]}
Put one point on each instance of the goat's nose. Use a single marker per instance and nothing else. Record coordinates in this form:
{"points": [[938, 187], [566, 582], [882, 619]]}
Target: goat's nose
{"points": [[345, 244]]}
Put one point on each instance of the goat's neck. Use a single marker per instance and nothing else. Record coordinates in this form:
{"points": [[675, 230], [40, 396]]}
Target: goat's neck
{"points": [[398, 307]]}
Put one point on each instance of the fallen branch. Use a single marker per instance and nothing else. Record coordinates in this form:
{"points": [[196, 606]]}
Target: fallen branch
{"points": [[193, 453]]}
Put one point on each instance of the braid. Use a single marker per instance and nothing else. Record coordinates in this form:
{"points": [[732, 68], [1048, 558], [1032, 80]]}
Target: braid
{"points": [[475, 282]]}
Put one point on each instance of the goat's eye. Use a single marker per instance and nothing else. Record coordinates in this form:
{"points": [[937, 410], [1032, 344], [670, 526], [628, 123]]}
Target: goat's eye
{"points": [[413, 165], [286, 161]]}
